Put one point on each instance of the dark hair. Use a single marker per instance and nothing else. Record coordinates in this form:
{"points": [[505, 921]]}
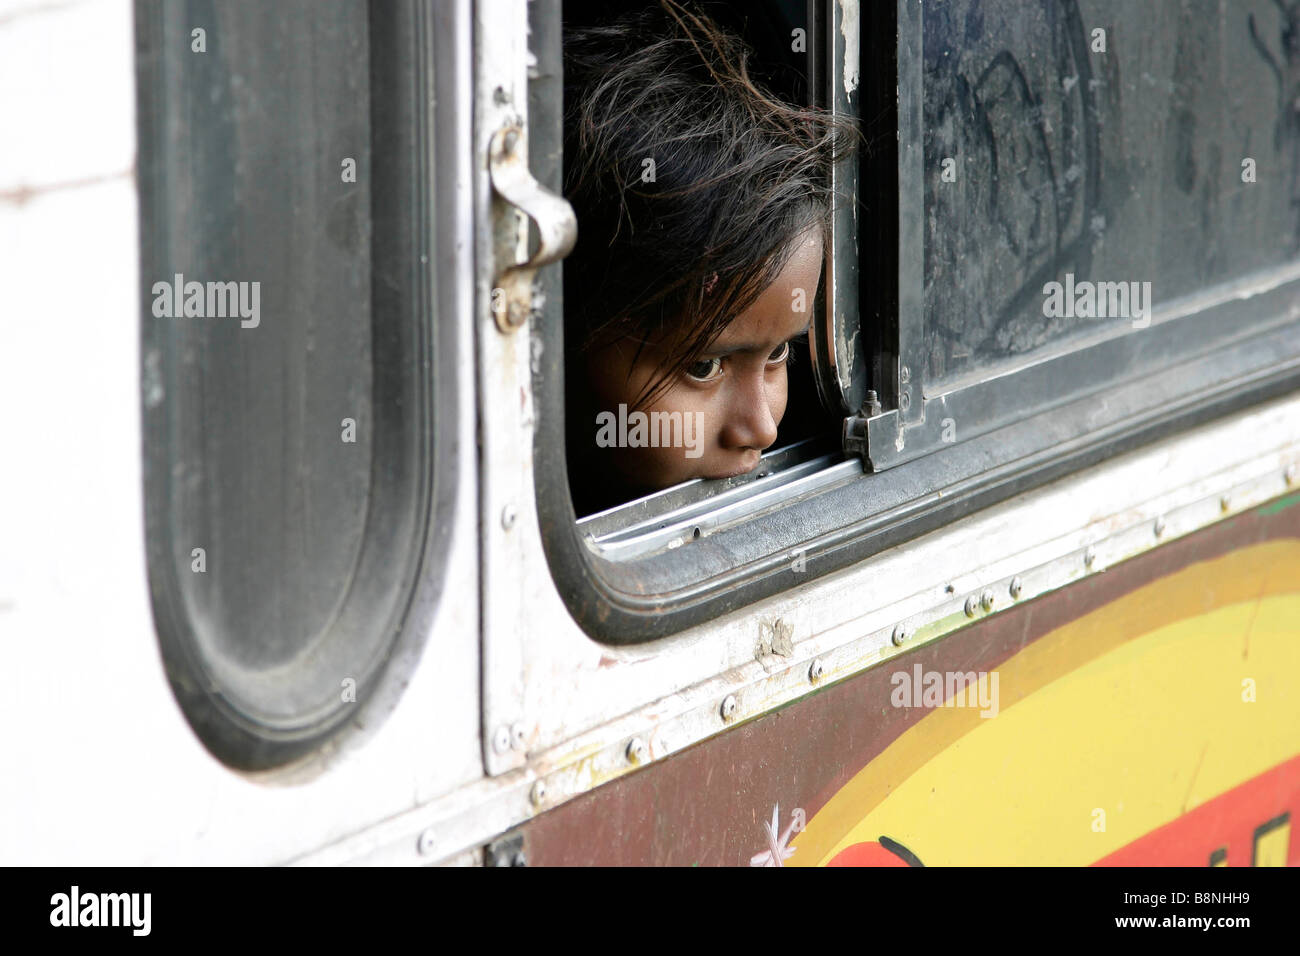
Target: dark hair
{"points": [[738, 176]]}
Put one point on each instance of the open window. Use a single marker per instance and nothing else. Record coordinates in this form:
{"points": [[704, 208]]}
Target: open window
{"points": [[697, 206], [1072, 230]]}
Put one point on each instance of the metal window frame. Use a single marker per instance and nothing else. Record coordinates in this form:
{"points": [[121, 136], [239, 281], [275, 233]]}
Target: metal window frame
{"points": [[1017, 430], [835, 76]]}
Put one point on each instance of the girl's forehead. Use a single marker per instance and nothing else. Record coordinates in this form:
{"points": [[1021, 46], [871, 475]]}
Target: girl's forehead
{"points": [[782, 311]]}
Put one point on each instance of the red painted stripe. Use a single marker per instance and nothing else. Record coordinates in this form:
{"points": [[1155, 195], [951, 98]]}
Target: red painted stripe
{"points": [[1228, 821]]}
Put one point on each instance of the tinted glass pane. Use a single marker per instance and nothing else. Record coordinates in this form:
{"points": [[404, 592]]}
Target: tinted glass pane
{"points": [[287, 435], [1111, 156]]}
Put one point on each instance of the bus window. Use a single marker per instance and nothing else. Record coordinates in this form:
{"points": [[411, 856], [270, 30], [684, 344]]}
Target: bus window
{"points": [[585, 515], [1120, 177], [1065, 236], [701, 182], [286, 383]]}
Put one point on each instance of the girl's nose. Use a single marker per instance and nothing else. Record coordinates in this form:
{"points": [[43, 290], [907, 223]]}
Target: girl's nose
{"points": [[750, 423]]}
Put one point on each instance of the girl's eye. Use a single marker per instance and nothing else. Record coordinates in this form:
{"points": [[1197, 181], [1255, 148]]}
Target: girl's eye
{"points": [[779, 354], [705, 369]]}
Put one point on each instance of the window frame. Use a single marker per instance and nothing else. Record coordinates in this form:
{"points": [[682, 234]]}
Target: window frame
{"points": [[904, 492]]}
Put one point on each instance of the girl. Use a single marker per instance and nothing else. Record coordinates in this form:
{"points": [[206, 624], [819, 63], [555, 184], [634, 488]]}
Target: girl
{"points": [[703, 207]]}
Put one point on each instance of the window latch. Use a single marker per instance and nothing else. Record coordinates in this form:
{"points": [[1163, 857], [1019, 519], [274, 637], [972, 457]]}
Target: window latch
{"points": [[557, 227], [856, 432]]}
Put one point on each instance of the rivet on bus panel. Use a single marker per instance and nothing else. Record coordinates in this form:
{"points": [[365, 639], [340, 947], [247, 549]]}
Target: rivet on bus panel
{"points": [[426, 842], [728, 709], [501, 739]]}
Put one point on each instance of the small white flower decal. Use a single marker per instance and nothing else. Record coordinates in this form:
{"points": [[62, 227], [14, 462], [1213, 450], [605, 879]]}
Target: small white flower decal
{"points": [[777, 851]]}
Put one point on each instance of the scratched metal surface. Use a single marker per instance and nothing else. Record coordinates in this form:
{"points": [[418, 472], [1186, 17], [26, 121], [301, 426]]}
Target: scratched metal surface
{"points": [[708, 804], [1115, 165]]}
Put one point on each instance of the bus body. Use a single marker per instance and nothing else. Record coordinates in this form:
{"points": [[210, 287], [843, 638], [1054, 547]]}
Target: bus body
{"points": [[1098, 664]]}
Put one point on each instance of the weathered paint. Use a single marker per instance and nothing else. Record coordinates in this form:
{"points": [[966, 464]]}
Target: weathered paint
{"points": [[849, 32], [1122, 692], [1134, 710], [1280, 504]]}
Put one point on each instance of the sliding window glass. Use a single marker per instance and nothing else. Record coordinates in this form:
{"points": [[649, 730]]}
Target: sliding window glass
{"points": [[1098, 222]]}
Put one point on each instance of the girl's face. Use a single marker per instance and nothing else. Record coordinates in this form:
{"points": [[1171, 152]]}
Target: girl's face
{"points": [[736, 393]]}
